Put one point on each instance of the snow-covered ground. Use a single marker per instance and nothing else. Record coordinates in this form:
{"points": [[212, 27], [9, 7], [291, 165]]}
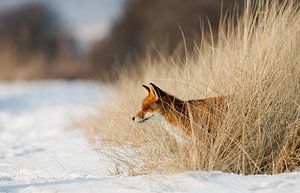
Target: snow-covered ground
{"points": [[41, 152]]}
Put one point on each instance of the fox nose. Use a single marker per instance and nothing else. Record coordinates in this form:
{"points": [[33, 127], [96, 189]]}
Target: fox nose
{"points": [[133, 118]]}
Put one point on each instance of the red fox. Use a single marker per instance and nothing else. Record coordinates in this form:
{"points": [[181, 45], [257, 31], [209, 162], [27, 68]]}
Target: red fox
{"points": [[178, 117]]}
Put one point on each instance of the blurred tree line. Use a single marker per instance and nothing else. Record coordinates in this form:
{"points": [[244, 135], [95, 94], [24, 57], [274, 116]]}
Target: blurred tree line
{"points": [[31, 29], [146, 26], [32, 37], [35, 45]]}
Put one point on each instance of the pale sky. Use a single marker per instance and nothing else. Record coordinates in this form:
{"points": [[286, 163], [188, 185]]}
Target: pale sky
{"points": [[86, 19]]}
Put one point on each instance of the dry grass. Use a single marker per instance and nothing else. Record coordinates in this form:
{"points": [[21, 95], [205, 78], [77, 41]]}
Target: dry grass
{"points": [[257, 63]]}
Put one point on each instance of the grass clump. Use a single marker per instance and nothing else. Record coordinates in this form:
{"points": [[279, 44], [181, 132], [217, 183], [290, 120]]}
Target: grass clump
{"points": [[257, 62]]}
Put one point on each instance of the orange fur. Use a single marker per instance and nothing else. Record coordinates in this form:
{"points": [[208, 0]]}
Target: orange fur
{"points": [[185, 115]]}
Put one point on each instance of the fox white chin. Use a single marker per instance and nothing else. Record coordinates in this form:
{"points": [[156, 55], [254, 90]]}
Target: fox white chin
{"points": [[174, 131], [146, 117]]}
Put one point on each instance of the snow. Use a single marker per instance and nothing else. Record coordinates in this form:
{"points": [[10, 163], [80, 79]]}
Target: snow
{"points": [[41, 151]]}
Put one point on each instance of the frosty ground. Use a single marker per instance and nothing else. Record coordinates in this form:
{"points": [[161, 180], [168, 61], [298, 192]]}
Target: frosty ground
{"points": [[41, 151]]}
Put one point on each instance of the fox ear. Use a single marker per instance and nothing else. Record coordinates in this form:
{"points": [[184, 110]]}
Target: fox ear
{"points": [[147, 88], [156, 91]]}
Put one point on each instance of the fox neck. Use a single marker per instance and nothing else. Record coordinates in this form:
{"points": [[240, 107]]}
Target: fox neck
{"points": [[173, 130], [172, 118]]}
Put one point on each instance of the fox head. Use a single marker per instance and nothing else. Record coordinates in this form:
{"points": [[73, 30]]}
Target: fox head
{"points": [[153, 105]]}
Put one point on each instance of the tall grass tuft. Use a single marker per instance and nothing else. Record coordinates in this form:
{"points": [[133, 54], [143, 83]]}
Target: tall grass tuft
{"points": [[256, 61]]}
